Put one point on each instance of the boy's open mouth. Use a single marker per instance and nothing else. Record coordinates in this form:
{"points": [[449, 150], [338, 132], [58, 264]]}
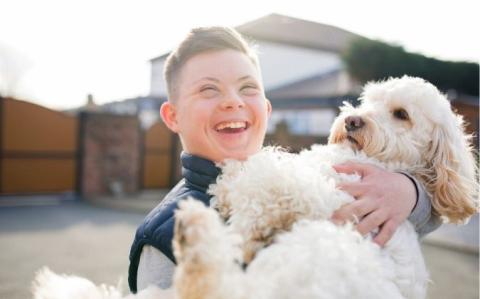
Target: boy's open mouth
{"points": [[232, 127]]}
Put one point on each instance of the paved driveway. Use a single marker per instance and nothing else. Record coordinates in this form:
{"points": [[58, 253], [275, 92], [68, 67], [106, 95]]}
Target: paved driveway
{"points": [[69, 238], [74, 237]]}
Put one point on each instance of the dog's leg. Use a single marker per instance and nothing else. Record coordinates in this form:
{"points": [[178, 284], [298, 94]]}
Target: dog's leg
{"points": [[411, 276], [208, 255]]}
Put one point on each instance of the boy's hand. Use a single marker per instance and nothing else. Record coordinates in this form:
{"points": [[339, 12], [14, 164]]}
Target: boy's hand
{"points": [[383, 200]]}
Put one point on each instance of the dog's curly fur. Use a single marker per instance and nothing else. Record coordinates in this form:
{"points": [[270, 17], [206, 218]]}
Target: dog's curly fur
{"points": [[431, 142], [285, 200]]}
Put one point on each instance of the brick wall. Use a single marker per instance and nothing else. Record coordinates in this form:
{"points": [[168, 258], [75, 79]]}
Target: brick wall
{"points": [[110, 156]]}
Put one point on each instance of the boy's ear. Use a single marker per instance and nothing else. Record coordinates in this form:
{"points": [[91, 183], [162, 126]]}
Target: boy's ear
{"points": [[169, 116], [269, 107]]}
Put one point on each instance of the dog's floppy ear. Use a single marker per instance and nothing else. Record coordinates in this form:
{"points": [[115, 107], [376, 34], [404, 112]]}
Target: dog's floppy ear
{"points": [[451, 178]]}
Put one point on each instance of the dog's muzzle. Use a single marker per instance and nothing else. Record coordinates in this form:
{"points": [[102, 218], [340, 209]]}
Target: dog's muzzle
{"points": [[353, 123]]}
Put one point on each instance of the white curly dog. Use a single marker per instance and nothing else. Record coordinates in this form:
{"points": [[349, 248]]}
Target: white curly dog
{"points": [[272, 210]]}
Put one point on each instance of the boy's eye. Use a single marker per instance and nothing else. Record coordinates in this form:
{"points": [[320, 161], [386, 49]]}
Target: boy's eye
{"points": [[249, 89], [209, 91]]}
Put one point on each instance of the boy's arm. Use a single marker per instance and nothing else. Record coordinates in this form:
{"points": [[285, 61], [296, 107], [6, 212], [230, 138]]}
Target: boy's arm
{"points": [[421, 216], [154, 268], [384, 200]]}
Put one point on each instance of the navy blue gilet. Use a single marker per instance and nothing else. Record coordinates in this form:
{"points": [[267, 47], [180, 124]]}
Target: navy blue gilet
{"points": [[157, 228]]}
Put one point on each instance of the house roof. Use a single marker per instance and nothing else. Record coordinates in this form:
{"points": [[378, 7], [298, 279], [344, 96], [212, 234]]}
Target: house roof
{"points": [[299, 87], [313, 102], [296, 32]]}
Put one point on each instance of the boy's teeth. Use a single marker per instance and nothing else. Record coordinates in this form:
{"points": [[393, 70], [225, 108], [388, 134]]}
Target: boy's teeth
{"points": [[231, 125]]}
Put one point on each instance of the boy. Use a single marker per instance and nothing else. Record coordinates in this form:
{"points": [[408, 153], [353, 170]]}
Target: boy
{"points": [[217, 105]]}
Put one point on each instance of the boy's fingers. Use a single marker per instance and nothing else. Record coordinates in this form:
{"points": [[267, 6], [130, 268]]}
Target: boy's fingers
{"points": [[361, 169], [371, 222], [386, 232], [355, 189], [347, 168], [353, 211]]}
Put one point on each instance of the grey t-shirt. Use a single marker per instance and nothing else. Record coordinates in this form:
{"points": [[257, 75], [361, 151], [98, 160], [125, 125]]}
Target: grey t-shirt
{"points": [[155, 268]]}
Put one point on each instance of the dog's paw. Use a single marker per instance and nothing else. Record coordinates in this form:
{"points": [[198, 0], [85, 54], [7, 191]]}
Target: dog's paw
{"points": [[195, 224]]}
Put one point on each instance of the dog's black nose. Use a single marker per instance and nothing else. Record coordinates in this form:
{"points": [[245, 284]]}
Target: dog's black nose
{"points": [[353, 123]]}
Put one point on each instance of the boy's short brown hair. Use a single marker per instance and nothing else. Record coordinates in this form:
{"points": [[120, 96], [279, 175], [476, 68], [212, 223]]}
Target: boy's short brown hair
{"points": [[200, 40]]}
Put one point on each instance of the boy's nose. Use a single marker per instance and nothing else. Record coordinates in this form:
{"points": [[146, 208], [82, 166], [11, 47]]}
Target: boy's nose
{"points": [[232, 102]]}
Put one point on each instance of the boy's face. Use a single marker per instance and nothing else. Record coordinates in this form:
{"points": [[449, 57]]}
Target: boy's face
{"points": [[220, 110]]}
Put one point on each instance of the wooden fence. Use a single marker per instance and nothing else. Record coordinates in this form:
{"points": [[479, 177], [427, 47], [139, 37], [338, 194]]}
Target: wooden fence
{"points": [[38, 149], [159, 157]]}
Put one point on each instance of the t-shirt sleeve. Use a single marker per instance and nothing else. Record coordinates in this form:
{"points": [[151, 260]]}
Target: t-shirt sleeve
{"points": [[154, 268], [422, 217]]}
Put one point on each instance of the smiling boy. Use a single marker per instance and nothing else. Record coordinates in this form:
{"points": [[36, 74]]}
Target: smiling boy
{"points": [[217, 106], [223, 111]]}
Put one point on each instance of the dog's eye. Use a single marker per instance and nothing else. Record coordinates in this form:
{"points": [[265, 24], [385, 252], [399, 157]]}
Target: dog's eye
{"points": [[400, 114]]}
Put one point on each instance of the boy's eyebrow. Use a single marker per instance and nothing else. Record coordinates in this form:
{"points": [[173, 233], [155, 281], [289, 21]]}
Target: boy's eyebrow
{"points": [[207, 78], [245, 78]]}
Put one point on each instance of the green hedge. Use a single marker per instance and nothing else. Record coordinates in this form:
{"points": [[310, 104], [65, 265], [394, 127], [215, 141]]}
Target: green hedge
{"points": [[368, 60]]}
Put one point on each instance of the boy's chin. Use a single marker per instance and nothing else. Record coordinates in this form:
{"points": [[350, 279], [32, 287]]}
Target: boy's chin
{"points": [[239, 157], [236, 155]]}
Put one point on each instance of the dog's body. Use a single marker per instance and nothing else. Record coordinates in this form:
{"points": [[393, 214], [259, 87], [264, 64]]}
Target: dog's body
{"points": [[309, 257], [285, 200]]}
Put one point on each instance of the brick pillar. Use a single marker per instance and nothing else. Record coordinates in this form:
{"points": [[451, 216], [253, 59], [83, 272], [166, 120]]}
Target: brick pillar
{"points": [[109, 154], [282, 135]]}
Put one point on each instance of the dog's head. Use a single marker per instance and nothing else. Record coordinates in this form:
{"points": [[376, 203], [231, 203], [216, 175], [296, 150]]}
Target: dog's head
{"points": [[408, 120]]}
